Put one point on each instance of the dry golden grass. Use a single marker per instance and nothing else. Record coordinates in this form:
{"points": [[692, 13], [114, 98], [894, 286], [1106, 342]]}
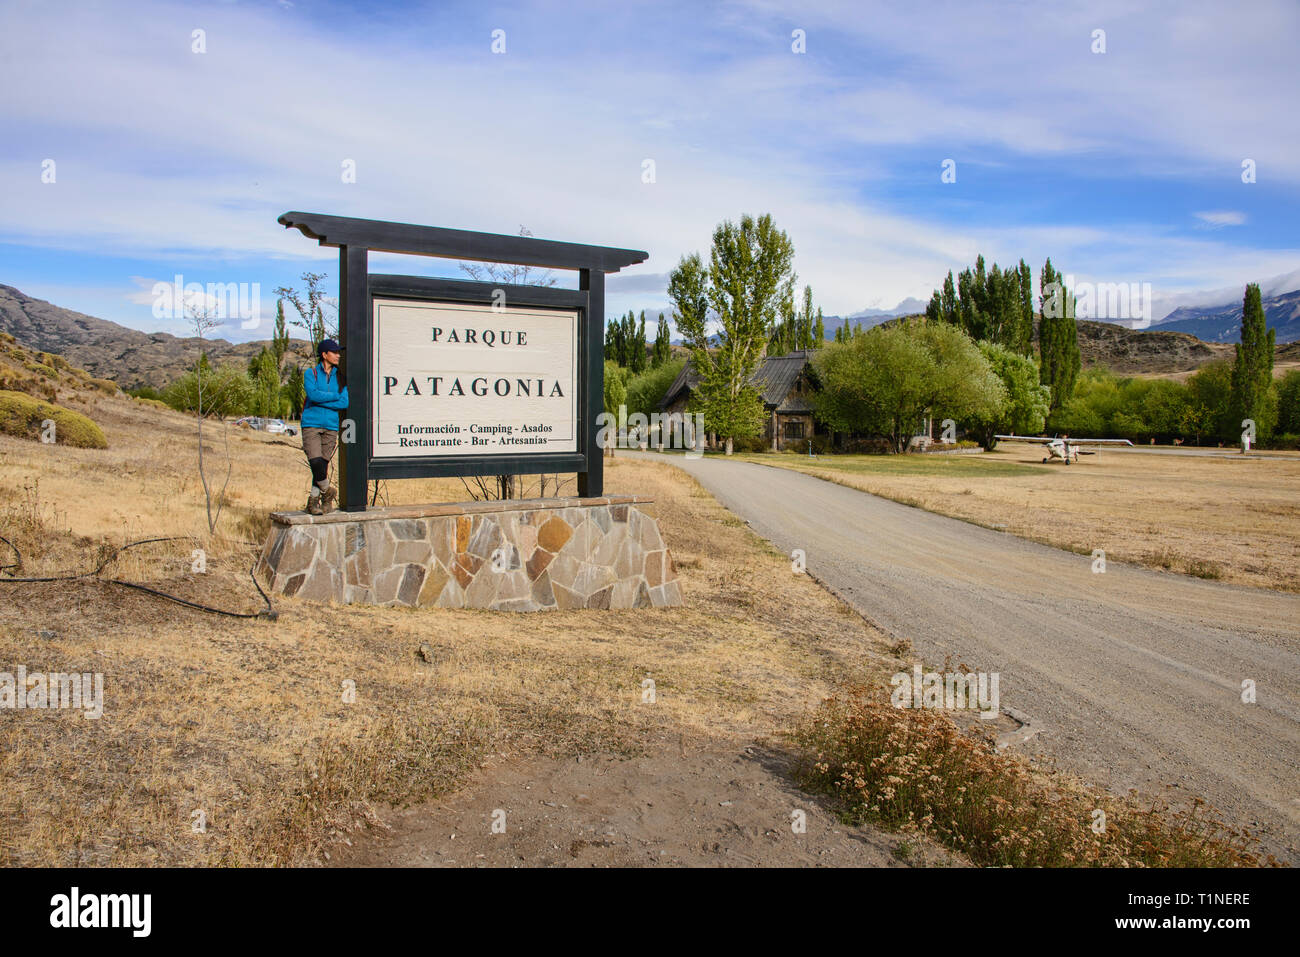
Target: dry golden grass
{"points": [[245, 720], [1234, 518]]}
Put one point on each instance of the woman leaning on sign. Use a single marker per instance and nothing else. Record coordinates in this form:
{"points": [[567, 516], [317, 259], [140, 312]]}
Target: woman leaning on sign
{"points": [[326, 398]]}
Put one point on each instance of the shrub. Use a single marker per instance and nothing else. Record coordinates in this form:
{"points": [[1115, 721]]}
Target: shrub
{"points": [[40, 369], [916, 771], [751, 443], [226, 391], [40, 388], [1288, 403], [867, 446], [106, 386], [646, 391], [23, 416]]}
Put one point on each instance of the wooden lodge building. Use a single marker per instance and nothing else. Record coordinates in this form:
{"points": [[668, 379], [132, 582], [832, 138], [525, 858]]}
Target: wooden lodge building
{"points": [[785, 383]]}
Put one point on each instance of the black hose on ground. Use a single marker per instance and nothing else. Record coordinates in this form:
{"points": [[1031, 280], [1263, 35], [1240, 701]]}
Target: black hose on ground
{"points": [[268, 612]]}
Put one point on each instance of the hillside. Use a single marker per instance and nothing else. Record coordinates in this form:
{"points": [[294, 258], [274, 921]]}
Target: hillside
{"points": [[110, 351], [1144, 351]]}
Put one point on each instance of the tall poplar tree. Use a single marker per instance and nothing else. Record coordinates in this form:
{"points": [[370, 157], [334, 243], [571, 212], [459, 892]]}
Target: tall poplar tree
{"points": [[1252, 371], [663, 350], [1024, 338], [637, 356], [280, 338], [1058, 336]]}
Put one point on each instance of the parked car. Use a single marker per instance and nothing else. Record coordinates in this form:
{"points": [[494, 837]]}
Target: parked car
{"points": [[273, 426]]}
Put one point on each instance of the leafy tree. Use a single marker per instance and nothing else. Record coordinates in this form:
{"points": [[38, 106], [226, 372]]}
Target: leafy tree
{"points": [[637, 356], [295, 393], [948, 301], [967, 310], [1025, 409], [979, 291], [934, 308], [219, 392], [1209, 398], [663, 349], [280, 338], [888, 378], [264, 379], [749, 283], [993, 304], [1058, 337], [819, 331], [615, 396], [1024, 337], [1106, 406], [646, 391], [1252, 373], [1288, 403], [807, 321], [1162, 404]]}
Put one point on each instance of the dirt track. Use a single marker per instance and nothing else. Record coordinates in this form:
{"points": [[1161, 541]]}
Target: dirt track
{"points": [[677, 806], [1133, 677]]}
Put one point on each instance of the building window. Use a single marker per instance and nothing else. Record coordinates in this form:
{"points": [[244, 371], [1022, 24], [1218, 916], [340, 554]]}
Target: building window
{"points": [[794, 429]]}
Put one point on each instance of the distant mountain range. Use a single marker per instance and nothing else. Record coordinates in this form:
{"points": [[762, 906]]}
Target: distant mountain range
{"points": [[1223, 323], [1219, 321], [109, 351]]}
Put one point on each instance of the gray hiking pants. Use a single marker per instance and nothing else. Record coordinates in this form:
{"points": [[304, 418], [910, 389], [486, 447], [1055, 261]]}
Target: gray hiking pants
{"points": [[319, 444]]}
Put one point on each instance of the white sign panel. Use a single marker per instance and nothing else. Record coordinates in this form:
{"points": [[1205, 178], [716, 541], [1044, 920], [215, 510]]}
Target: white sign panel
{"points": [[467, 379]]}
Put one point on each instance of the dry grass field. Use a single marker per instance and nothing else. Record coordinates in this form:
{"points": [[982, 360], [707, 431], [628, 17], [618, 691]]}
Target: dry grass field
{"points": [[231, 741], [1229, 517], [244, 720]]}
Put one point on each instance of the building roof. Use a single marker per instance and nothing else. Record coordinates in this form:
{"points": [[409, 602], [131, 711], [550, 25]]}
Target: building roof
{"points": [[774, 378]]}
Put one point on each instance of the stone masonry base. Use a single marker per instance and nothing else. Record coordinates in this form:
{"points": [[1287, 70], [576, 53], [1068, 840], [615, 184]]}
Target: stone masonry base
{"points": [[518, 555]]}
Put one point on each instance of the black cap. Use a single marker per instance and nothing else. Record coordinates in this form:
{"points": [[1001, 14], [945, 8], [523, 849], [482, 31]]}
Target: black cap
{"points": [[327, 345]]}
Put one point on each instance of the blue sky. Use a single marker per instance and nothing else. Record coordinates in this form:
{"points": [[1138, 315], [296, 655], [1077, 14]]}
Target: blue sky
{"points": [[1123, 166]]}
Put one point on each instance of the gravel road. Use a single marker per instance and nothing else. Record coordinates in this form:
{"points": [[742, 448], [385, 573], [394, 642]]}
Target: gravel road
{"points": [[1132, 677]]}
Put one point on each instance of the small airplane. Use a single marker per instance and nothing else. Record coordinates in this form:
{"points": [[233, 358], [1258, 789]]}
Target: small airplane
{"points": [[1062, 446]]}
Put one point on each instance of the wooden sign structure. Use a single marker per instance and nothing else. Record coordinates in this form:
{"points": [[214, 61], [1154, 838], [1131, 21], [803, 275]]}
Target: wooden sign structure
{"points": [[527, 398]]}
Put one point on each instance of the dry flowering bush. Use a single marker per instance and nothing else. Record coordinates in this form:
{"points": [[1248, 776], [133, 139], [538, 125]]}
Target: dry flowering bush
{"points": [[916, 770]]}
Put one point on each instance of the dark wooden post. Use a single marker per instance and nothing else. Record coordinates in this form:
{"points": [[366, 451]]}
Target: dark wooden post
{"points": [[354, 329], [592, 481]]}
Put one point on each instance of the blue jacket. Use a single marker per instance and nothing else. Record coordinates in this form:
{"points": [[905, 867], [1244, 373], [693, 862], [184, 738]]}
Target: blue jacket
{"points": [[325, 400]]}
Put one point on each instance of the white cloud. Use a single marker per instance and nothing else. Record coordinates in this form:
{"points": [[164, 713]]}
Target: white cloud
{"points": [[1223, 217]]}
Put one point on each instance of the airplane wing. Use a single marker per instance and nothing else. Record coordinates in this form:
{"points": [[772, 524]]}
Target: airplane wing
{"points": [[1040, 440]]}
